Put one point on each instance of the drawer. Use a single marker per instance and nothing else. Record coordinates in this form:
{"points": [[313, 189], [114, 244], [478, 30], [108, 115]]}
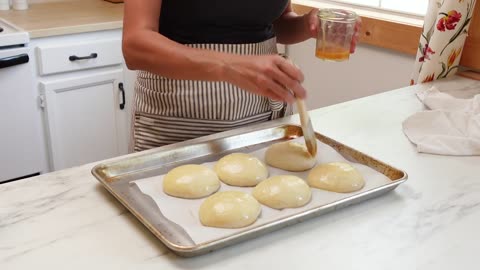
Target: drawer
{"points": [[77, 56]]}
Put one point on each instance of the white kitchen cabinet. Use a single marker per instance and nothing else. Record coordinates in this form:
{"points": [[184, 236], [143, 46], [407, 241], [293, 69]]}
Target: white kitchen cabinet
{"points": [[84, 119], [79, 55], [79, 78]]}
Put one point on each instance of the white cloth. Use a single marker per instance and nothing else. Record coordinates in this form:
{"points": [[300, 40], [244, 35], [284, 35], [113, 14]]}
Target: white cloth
{"points": [[451, 127]]}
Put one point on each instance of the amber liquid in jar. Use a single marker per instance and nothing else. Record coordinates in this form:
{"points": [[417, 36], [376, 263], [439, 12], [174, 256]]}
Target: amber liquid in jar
{"points": [[333, 53]]}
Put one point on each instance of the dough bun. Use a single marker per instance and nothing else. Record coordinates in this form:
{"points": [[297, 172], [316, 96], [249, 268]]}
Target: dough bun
{"points": [[337, 177], [283, 191], [289, 156], [229, 209], [191, 182], [242, 170]]}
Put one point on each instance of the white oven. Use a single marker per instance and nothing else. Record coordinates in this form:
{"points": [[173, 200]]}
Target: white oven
{"points": [[20, 126]]}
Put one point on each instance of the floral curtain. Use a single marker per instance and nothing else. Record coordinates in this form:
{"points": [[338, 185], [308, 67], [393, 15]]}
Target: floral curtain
{"points": [[443, 37]]}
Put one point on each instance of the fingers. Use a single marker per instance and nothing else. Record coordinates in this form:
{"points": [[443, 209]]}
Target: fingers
{"points": [[313, 24], [290, 76], [270, 87], [353, 44], [270, 76], [274, 96], [356, 35], [287, 82], [358, 24]]}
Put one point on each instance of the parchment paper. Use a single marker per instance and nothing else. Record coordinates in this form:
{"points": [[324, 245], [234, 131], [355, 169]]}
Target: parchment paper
{"points": [[184, 212]]}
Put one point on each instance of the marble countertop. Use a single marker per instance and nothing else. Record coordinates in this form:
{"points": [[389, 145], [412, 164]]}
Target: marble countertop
{"points": [[66, 219], [68, 17]]}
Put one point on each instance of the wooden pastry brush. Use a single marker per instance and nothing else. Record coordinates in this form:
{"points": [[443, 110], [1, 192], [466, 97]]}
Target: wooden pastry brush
{"points": [[307, 128]]}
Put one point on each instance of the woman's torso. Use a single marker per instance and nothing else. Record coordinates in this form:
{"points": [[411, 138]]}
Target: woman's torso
{"points": [[219, 21], [168, 111]]}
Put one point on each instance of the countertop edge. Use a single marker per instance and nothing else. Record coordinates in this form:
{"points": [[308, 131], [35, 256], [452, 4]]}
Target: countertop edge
{"points": [[69, 30], [56, 18]]}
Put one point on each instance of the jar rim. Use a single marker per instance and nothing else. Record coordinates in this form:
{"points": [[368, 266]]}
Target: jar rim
{"points": [[338, 15]]}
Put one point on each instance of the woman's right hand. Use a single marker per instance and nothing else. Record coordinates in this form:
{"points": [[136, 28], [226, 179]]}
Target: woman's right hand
{"points": [[271, 76]]}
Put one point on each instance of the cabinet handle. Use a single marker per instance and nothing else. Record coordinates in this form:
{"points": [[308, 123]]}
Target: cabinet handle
{"points": [[75, 58], [14, 60], [122, 91]]}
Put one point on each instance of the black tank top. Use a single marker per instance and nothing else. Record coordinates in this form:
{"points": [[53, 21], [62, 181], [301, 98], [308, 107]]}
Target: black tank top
{"points": [[219, 21]]}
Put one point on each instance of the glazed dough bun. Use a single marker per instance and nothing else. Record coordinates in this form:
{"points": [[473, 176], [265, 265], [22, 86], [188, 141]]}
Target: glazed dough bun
{"points": [[289, 156], [190, 182], [336, 177], [283, 191], [241, 170], [229, 209]]}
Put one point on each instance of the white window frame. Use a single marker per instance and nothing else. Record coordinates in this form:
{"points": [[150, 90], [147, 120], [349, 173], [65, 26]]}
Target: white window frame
{"points": [[372, 8]]}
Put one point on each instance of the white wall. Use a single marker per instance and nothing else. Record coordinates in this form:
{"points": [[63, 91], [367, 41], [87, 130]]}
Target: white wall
{"points": [[370, 70]]}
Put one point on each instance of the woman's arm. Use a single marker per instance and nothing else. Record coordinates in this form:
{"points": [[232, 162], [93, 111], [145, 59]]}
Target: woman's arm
{"points": [[145, 49], [291, 28]]}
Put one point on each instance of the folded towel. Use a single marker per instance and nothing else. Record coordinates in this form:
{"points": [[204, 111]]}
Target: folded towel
{"points": [[451, 127]]}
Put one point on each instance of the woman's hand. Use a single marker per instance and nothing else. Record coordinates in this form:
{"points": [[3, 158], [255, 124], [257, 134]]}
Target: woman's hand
{"points": [[356, 35], [313, 26], [268, 75], [311, 19]]}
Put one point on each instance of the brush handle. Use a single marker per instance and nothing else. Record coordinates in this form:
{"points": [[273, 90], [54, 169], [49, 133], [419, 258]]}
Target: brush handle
{"points": [[302, 111]]}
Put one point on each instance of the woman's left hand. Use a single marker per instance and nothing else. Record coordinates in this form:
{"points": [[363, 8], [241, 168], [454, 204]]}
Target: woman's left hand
{"points": [[313, 27]]}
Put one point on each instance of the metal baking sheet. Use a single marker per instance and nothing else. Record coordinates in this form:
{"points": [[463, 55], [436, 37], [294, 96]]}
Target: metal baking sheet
{"points": [[116, 176]]}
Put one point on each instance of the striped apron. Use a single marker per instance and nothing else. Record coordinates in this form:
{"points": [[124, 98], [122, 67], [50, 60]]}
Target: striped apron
{"points": [[167, 111]]}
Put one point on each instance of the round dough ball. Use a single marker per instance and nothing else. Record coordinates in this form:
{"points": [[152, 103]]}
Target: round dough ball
{"points": [[289, 156], [337, 177], [190, 182], [241, 170], [283, 191], [229, 209]]}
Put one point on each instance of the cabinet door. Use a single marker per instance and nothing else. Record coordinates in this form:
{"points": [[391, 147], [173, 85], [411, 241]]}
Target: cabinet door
{"points": [[129, 78], [83, 118]]}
